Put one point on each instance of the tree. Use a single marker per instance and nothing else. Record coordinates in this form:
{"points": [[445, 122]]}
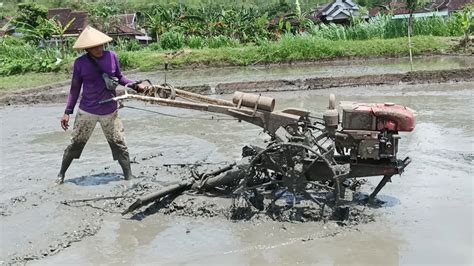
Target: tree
{"points": [[101, 15], [161, 19], [29, 14]]}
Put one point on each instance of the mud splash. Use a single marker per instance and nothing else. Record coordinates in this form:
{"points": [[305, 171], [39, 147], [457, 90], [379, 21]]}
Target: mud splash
{"points": [[208, 205], [92, 210]]}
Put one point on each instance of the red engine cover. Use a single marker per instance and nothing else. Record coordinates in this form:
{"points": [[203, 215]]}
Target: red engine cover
{"points": [[377, 116], [394, 117]]}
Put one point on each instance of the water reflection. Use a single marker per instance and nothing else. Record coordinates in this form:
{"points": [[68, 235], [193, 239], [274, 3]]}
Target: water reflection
{"points": [[213, 76]]}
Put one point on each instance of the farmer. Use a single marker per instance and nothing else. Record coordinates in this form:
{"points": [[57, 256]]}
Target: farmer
{"points": [[95, 72]]}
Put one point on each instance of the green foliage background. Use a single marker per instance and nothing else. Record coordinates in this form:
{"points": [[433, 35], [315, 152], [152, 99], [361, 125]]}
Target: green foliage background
{"points": [[219, 32]]}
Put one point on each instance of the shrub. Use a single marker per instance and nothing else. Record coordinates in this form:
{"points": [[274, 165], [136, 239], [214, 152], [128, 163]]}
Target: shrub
{"points": [[222, 41], [196, 42], [125, 60], [19, 57], [155, 46], [172, 40], [328, 31], [260, 41], [387, 28], [127, 45], [133, 45]]}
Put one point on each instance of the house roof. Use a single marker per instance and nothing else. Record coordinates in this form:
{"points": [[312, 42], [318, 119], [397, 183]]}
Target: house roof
{"points": [[375, 11], [399, 8], [455, 5], [440, 4], [4, 21], [336, 10], [126, 19], [64, 15], [125, 30], [339, 6], [320, 9], [122, 25], [5, 26], [274, 22], [80, 22]]}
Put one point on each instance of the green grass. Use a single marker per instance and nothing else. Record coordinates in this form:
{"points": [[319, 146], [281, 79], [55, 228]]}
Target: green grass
{"points": [[29, 80], [289, 49]]}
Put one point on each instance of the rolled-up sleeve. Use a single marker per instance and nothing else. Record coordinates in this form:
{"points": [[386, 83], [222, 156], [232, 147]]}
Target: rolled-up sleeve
{"points": [[76, 84], [118, 73]]}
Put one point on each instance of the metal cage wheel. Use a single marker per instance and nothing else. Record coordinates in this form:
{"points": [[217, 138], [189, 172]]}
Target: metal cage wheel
{"points": [[285, 166]]}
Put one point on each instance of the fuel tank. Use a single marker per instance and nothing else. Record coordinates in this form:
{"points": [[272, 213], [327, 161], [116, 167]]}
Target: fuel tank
{"points": [[377, 116]]}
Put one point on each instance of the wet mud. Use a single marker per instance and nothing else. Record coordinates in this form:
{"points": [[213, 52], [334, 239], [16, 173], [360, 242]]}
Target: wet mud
{"points": [[58, 94], [83, 218], [42, 223]]}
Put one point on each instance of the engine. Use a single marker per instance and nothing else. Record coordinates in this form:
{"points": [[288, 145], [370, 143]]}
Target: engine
{"points": [[370, 131]]}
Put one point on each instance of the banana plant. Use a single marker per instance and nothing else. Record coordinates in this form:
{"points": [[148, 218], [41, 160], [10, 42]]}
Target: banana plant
{"points": [[154, 24], [193, 25], [161, 20], [60, 31], [466, 17], [39, 34]]}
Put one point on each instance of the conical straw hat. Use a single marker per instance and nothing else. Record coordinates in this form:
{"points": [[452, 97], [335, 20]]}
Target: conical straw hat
{"points": [[90, 37]]}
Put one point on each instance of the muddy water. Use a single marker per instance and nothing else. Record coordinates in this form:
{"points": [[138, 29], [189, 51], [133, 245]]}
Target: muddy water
{"points": [[427, 218], [213, 76]]}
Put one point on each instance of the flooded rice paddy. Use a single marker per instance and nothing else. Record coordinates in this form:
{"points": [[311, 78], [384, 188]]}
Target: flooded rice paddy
{"points": [[427, 217]]}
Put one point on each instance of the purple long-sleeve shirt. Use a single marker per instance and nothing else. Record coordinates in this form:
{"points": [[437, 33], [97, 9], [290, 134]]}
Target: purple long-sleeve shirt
{"points": [[87, 76]]}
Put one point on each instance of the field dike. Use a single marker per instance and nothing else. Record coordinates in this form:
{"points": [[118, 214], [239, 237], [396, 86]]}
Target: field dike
{"points": [[58, 93]]}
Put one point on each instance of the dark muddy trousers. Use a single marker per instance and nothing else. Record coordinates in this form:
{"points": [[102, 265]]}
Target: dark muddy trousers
{"points": [[84, 125]]}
